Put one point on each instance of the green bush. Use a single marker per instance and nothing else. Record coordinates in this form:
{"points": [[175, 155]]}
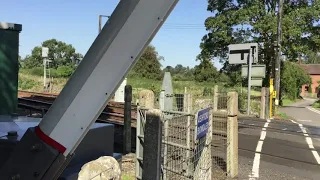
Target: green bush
{"points": [[316, 104], [292, 78], [310, 88], [61, 71], [25, 84], [37, 71], [207, 91], [65, 71]]}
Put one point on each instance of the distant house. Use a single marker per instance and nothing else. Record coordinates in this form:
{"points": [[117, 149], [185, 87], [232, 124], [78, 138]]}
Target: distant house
{"points": [[314, 71]]}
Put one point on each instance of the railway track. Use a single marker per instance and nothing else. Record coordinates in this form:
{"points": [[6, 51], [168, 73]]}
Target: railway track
{"points": [[41, 102]]}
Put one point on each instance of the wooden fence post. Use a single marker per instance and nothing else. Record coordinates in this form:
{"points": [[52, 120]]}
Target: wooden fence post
{"points": [[232, 135], [152, 146], [127, 119], [215, 98], [267, 104]]}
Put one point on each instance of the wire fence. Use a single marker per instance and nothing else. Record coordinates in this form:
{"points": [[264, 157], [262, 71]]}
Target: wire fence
{"points": [[173, 102], [186, 155], [183, 153], [219, 137], [178, 136]]}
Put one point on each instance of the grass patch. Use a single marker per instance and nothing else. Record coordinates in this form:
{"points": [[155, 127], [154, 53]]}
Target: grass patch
{"points": [[30, 82], [282, 115], [286, 102], [316, 104], [128, 177]]}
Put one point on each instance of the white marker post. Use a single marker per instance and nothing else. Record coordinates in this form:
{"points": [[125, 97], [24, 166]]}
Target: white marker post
{"points": [[249, 81]]}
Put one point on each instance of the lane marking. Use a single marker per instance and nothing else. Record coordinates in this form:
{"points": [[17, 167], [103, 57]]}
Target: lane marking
{"points": [[313, 109], [263, 135], [316, 155], [304, 120], [256, 161], [259, 146], [309, 142]]}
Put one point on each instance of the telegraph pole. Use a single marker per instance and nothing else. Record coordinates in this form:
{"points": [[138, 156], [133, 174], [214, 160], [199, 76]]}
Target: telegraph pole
{"points": [[278, 53]]}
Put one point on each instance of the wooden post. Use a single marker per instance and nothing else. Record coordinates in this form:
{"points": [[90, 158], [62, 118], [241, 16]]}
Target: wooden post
{"points": [[215, 98], [152, 146], [232, 135], [267, 112], [263, 103], [185, 100], [127, 119]]}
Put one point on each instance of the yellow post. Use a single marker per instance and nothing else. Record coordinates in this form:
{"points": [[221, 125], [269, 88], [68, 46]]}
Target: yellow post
{"points": [[270, 98]]}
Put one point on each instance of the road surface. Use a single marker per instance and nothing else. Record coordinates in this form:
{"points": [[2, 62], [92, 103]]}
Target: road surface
{"points": [[274, 149]]}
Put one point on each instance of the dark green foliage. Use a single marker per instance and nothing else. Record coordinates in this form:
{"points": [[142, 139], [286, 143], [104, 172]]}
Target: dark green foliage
{"points": [[292, 78], [61, 71], [238, 21], [26, 83], [60, 53], [65, 71], [148, 66], [310, 89], [312, 58], [205, 71], [180, 73], [207, 91]]}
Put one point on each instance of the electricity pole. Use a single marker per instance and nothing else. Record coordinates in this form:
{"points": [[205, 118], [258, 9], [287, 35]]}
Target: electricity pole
{"points": [[278, 53]]}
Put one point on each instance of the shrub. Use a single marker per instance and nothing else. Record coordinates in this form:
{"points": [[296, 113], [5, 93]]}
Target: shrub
{"points": [[65, 71], [25, 84], [207, 91], [37, 71]]}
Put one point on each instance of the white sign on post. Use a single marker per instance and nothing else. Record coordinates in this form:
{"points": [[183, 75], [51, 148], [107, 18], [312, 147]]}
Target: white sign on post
{"points": [[45, 52], [244, 54], [257, 71], [239, 53]]}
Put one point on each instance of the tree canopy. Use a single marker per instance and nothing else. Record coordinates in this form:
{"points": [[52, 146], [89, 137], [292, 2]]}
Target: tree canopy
{"points": [[312, 58], [292, 78], [240, 21], [149, 65], [61, 54], [179, 72]]}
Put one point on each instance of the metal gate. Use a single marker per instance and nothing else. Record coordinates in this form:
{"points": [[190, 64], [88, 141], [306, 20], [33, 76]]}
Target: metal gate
{"points": [[186, 149]]}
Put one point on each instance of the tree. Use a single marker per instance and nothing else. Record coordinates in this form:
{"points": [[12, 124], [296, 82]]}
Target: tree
{"points": [[60, 53], [239, 21], [205, 71], [148, 66], [312, 58], [180, 73], [292, 78]]}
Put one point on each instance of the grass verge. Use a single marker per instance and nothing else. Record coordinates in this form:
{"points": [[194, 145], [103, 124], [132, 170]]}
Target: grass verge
{"points": [[316, 104]]}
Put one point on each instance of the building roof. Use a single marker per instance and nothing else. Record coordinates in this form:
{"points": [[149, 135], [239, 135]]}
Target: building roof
{"points": [[312, 69]]}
